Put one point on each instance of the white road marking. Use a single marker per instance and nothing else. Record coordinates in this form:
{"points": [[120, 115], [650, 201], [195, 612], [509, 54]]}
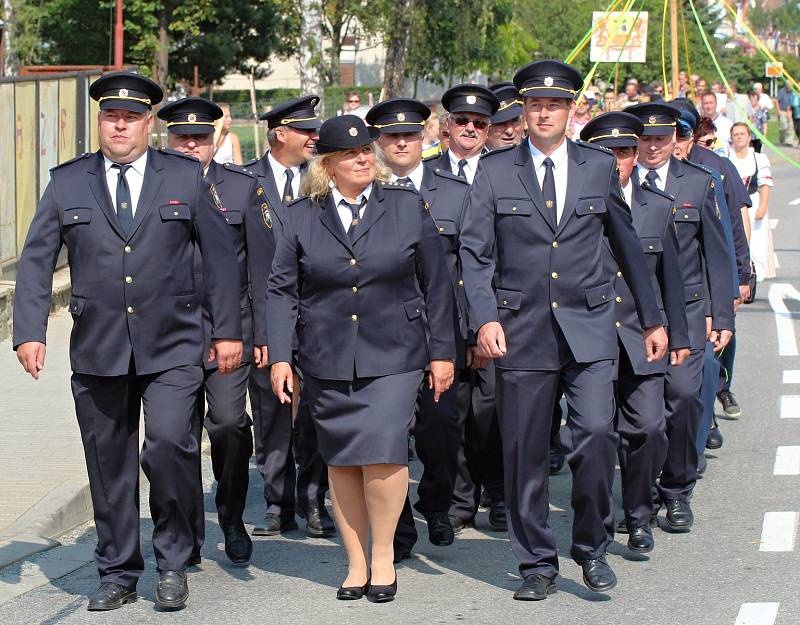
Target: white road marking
{"points": [[773, 223], [794, 202], [757, 614], [778, 531], [790, 406], [787, 460], [784, 323], [791, 376]]}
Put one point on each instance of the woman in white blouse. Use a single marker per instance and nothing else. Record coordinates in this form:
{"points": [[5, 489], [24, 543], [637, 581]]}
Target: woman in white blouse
{"points": [[756, 173]]}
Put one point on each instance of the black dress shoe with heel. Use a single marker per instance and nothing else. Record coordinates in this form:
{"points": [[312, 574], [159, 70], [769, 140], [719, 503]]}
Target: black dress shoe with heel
{"points": [[598, 574], [680, 517], [172, 590], [640, 539], [440, 530], [458, 524], [382, 594], [351, 593], [110, 596], [238, 545], [318, 522], [275, 524], [535, 588], [714, 439]]}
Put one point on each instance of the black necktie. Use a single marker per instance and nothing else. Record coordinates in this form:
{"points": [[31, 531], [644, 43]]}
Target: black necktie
{"points": [[461, 165], [355, 209], [549, 189], [124, 204], [652, 178], [288, 195]]}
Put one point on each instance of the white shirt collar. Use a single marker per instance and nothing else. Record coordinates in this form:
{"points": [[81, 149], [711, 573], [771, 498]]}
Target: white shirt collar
{"points": [[138, 165], [415, 176], [469, 169], [558, 157], [338, 197], [627, 192]]}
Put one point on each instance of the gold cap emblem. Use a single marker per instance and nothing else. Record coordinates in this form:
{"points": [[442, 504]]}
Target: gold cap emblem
{"points": [[653, 119], [471, 99], [123, 93], [401, 117], [353, 132], [548, 81], [615, 132], [192, 117]]}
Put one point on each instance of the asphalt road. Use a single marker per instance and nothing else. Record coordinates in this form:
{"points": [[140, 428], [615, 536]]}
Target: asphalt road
{"points": [[706, 577]]}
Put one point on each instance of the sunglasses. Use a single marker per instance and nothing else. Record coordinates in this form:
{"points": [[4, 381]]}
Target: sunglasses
{"points": [[353, 101], [479, 124], [708, 142]]}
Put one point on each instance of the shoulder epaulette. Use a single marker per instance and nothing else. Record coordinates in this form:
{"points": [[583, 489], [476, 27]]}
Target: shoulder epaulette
{"points": [[496, 151], [594, 146], [648, 187], [408, 186], [449, 175], [299, 200], [702, 168], [250, 163], [239, 169], [75, 159], [432, 157], [172, 152]]}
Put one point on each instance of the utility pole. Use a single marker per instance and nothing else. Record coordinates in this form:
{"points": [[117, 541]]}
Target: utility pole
{"points": [[118, 32], [673, 29]]}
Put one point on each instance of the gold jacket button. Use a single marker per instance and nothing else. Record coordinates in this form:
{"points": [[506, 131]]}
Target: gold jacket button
{"points": [[127, 249], [352, 261], [130, 309], [128, 280], [460, 283], [75, 217], [355, 289], [513, 209], [354, 317], [619, 274], [554, 304], [505, 302], [618, 324], [555, 243], [618, 299], [554, 275], [175, 213]]}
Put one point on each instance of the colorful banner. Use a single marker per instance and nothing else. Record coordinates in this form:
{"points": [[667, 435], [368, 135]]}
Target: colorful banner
{"points": [[48, 130], [8, 190], [613, 30], [67, 120], [25, 124]]}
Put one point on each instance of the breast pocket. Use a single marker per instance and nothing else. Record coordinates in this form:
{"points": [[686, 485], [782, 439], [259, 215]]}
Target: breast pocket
{"points": [[446, 227], [599, 295], [652, 245], [515, 206], [233, 218], [687, 215], [175, 212], [76, 216], [590, 206]]}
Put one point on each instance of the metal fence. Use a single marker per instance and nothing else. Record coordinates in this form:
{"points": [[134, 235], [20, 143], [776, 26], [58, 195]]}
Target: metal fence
{"points": [[44, 121]]}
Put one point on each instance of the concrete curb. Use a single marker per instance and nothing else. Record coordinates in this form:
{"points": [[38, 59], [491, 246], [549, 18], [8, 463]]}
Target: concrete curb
{"points": [[62, 288]]}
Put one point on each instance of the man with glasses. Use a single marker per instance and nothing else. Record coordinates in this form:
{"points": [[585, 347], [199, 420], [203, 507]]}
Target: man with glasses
{"points": [[352, 105], [292, 135], [470, 107]]}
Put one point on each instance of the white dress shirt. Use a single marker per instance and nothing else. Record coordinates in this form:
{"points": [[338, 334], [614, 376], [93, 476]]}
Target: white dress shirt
{"points": [[279, 173], [661, 172], [627, 193], [345, 214], [415, 176], [560, 162], [134, 177], [469, 168]]}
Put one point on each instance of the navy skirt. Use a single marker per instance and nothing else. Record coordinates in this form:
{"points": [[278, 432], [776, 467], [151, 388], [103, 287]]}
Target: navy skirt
{"points": [[363, 421]]}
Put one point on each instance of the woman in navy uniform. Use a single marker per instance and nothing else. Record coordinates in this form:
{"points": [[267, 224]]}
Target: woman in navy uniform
{"points": [[363, 262]]}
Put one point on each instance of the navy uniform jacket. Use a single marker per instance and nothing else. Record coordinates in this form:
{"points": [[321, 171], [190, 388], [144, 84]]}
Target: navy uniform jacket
{"points": [[444, 194], [651, 211], [239, 196], [275, 220], [736, 196], [439, 161], [549, 277], [132, 296], [360, 313], [704, 256]]}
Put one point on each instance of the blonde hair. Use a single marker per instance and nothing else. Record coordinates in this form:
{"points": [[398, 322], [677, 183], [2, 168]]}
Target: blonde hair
{"points": [[219, 124], [318, 180]]}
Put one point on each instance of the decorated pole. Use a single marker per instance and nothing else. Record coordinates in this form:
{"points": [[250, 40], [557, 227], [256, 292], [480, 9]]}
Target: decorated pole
{"points": [[673, 31], [118, 31]]}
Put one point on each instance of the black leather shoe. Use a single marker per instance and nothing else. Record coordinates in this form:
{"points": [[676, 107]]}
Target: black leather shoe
{"points": [[598, 575], [679, 515], [351, 593], [382, 594], [729, 405], [557, 460], [110, 596], [497, 516], [440, 531], [640, 539], [459, 524], [275, 524], [318, 521], [238, 546], [714, 439], [702, 464], [535, 588], [172, 590], [485, 501]]}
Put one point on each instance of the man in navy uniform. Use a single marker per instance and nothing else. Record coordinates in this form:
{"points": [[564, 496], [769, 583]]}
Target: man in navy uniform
{"points": [[130, 218], [707, 276], [640, 384], [437, 429], [236, 193], [470, 107], [292, 129], [532, 247], [505, 126]]}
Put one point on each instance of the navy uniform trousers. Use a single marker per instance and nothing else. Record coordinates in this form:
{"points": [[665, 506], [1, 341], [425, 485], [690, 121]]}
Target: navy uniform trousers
{"points": [[136, 342], [286, 454]]}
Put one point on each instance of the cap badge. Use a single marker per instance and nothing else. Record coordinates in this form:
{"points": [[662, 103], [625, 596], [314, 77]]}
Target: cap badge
{"points": [[548, 81], [192, 117], [471, 99], [123, 93], [615, 132], [353, 132], [653, 119], [401, 117]]}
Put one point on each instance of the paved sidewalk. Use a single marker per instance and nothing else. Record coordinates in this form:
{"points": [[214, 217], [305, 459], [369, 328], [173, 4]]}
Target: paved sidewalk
{"points": [[43, 479]]}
